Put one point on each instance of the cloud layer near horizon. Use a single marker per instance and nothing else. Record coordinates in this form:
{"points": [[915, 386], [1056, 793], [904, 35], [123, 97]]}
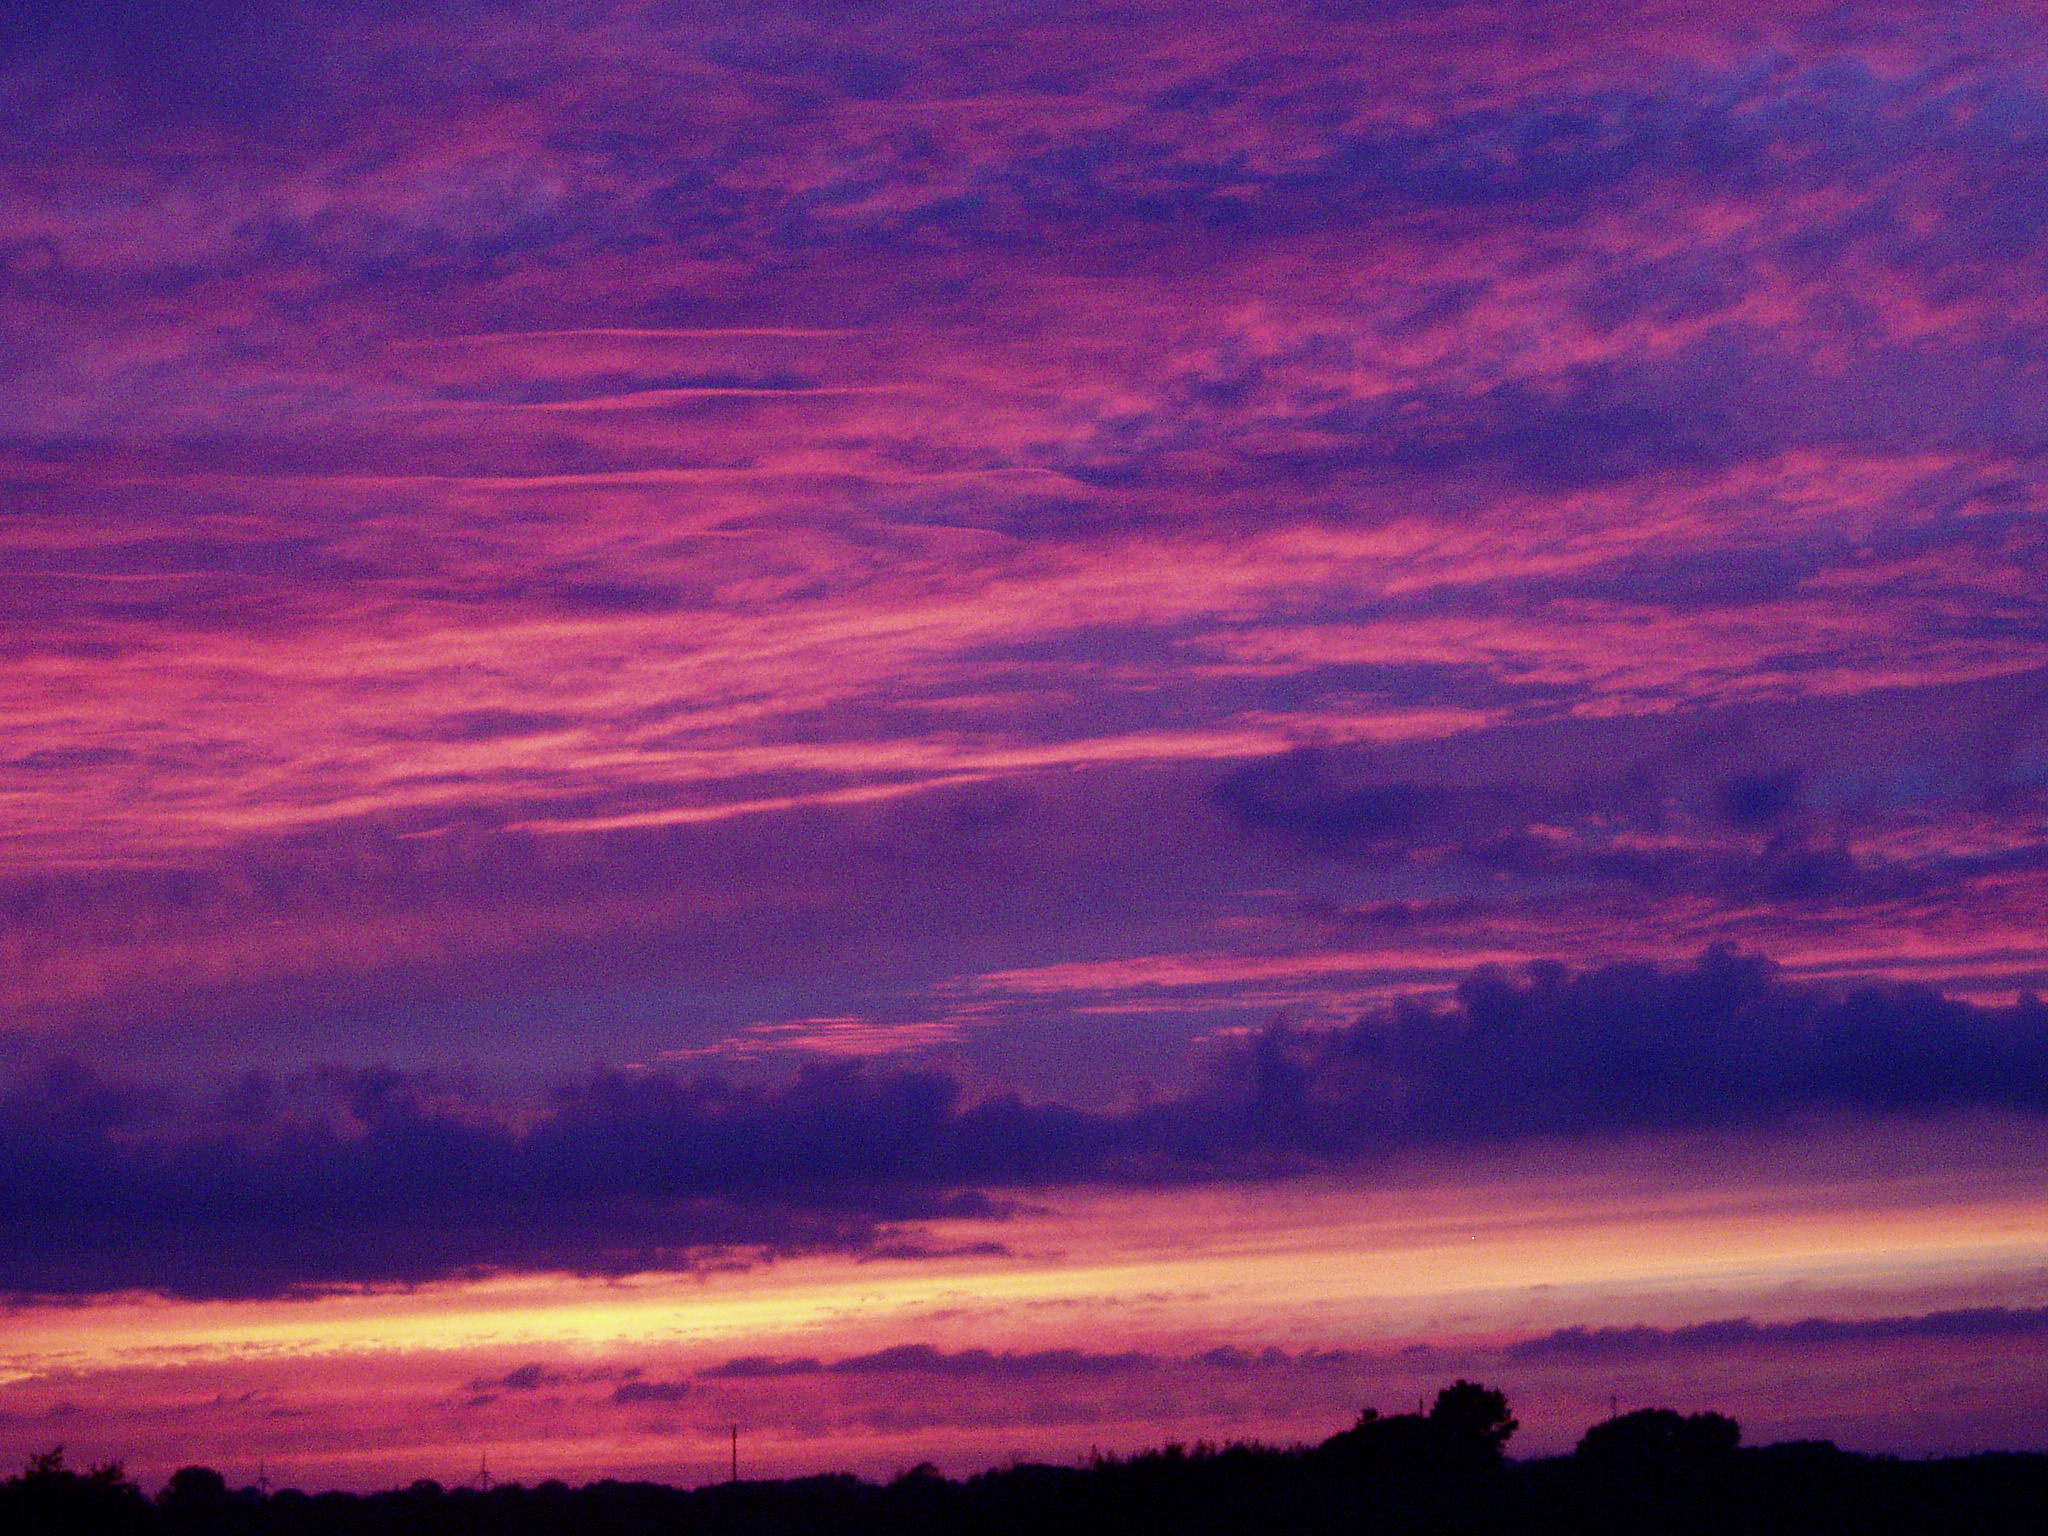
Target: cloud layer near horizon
{"points": [[376, 1177]]}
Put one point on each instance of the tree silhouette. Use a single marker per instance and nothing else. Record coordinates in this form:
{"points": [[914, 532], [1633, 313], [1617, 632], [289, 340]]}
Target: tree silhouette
{"points": [[1474, 1419], [1468, 1427], [1659, 1437], [195, 1487], [49, 1497]]}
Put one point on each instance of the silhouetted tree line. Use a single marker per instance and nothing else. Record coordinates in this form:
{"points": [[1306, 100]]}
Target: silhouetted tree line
{"points": [[1443, 1472]]}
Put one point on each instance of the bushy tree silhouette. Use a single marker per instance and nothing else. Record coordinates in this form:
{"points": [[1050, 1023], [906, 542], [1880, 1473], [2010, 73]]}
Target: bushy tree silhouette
{"points": [[1467, 1427], [1473, 1420], [194, 1488], [1659, 1437], [49, 1498]]}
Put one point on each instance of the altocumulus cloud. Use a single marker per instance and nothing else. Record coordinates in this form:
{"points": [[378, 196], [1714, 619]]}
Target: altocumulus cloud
{"points": [[381, 1177], [1734, 1333], [1571, 1346], [1026, 1364], [929, 1360]]}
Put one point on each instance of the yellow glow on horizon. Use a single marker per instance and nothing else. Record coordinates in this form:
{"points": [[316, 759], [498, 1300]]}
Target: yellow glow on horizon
{"points": [[1317, 1259]]}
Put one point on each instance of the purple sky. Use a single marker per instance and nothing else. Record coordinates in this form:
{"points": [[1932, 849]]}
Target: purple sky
{"points": [[648, 638]]}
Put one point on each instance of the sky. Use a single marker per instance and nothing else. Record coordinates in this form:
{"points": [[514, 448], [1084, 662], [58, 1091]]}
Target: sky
{"points": [[991, 730]]}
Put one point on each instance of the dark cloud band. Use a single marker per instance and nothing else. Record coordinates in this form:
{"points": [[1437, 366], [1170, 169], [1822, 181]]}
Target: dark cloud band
{"points": [[381, 1177], [1738, 1333]]}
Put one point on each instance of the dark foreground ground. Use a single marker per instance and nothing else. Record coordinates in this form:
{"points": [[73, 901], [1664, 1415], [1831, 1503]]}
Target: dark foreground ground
{"points": [[1442, 1472]]}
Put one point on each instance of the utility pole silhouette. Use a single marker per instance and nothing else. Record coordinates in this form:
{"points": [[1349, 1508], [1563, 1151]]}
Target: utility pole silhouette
{"points": [[262, 1475], [483, 1473], [735, 1453]]}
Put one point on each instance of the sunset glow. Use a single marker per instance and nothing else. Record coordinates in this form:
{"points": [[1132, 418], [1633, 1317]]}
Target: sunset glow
{"points": [[970, 732]]}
